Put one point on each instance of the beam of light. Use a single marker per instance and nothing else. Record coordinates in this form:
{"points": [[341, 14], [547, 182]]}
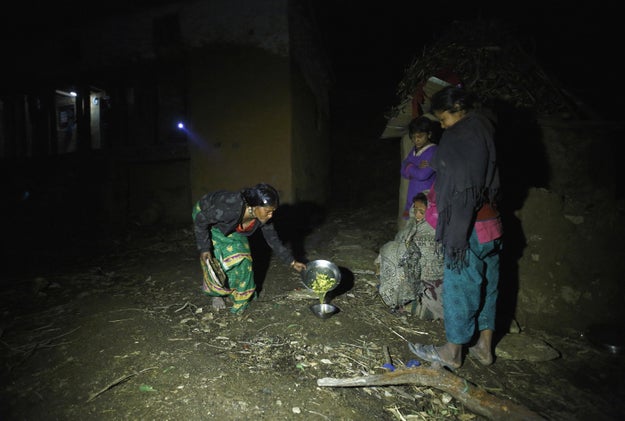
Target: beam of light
{"points": [[197, 140], [72, 94]]}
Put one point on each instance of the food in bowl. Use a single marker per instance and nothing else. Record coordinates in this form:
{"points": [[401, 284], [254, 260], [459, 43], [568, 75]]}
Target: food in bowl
{"points": [[322, 283], [321, 272]]}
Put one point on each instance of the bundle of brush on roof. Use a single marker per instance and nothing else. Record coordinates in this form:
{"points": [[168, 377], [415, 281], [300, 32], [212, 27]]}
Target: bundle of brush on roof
{"points": [[493, 61]]}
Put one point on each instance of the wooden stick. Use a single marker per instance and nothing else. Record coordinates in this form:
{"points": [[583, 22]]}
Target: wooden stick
{"points": [[116, 382], [474, 398], [387, 356]]}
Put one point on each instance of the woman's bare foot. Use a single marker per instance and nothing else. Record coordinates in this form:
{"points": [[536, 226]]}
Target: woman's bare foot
{"points": [[484, 356], [218, 303], [483, 349]]}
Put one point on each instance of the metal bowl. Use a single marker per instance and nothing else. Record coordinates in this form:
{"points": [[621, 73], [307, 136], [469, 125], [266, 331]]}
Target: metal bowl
{"points": [[316, 267], [324, 311]]}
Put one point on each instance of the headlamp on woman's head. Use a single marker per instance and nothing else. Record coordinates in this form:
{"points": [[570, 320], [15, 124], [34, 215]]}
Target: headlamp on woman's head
{"points": [[262, 195], [268, 195]]}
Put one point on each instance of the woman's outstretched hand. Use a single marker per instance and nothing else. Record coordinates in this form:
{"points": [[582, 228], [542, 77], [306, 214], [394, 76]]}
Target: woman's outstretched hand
{"points": [[298, 266]]}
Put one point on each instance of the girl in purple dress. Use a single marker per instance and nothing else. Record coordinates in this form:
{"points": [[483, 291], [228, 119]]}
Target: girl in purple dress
{"points": [[416, 166]]}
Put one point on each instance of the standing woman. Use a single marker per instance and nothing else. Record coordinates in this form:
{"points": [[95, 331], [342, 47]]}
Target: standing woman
{"points": [[416, 166], [468, 227], [222, 222]]}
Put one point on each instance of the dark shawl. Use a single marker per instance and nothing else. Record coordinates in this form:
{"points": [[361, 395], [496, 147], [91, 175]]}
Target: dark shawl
{"points": [[466, 177]]}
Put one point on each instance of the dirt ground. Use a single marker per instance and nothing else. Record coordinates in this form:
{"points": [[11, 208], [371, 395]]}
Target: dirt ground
{"points": [[128, 335]]}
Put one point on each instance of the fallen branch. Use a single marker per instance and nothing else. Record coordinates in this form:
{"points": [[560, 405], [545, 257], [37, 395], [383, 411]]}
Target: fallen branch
{"points": [[117, 382], [45, 344], [472, 397]]}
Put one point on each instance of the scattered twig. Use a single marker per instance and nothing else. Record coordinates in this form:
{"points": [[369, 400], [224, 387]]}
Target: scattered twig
{"points": [[145, 310], [120, 320], [218, 347], [62, 335], [365, 346], [354, 360], [45, 344], [182, 308], [395, 411], [262, 344], [270, 324], [387, 355], [398, 334], [378, 320], [43, 327], [418, 332], [117, 382], [187, 304], [403, 394], [317, 413]]}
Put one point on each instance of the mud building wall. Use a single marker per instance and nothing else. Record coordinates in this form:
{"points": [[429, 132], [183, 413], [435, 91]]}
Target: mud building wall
{"points": [[239, 120], [570, 267]]}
